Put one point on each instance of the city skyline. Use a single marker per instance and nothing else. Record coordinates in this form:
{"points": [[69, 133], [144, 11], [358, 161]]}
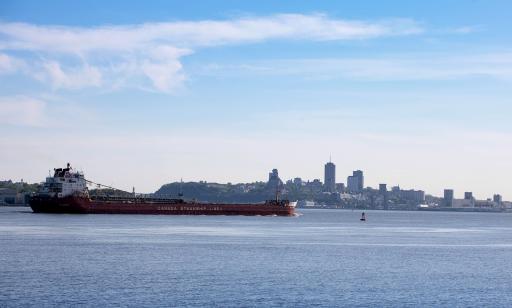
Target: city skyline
{"points": [[353, 185], [141, 95]]}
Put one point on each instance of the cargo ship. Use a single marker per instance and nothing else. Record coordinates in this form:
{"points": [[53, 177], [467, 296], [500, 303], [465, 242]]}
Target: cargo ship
{"points": [[67, 192]]}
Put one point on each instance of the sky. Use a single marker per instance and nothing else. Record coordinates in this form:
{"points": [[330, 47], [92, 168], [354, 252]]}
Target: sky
{"points": [[414, 93]]}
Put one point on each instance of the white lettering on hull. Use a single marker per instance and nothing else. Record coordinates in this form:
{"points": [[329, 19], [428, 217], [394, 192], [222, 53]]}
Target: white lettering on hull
{"points": [[189, 208]]}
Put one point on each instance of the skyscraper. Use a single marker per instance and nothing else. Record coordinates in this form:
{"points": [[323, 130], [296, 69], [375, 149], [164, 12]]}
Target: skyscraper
{"points": [[355, 182], [448, 197], [274, 182], [330, 177]]}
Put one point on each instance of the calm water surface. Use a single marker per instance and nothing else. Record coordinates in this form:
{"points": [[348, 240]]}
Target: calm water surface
{"points": [[323, 258]]}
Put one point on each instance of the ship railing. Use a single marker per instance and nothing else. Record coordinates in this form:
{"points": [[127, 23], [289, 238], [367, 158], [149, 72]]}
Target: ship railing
{"points": [[135, 199]]}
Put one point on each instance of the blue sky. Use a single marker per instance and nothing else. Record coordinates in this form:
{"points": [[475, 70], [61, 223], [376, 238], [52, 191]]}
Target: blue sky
{"points": [[140, 94]]}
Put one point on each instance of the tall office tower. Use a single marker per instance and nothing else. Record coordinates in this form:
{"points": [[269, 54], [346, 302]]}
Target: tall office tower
{"points": [[360, 179], [448, 197], [274, 181], [330, 177], [355, 182]]}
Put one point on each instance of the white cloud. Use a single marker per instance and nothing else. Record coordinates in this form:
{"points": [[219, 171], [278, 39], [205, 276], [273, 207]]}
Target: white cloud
{"points": [[9, 64], [23, 111], [73, 78], [197, 33], [154, 50], [466, 29], [164, 68]]}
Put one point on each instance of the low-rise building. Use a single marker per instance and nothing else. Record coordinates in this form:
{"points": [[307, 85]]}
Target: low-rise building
{"points": [[413, 195], [10, 196]]}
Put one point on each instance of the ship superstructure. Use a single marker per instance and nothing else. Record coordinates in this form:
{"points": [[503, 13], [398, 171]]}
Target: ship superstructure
{"points": [[65, 182]]}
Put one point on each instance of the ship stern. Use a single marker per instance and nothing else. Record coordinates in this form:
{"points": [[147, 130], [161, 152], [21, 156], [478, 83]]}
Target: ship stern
{"points": [[49, 204]]}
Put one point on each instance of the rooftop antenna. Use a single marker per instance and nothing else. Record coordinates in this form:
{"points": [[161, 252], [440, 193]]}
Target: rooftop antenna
{"points": [[329, 157]]}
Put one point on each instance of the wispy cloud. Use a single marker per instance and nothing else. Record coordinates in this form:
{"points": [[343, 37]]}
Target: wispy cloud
{"points": [[466, 29], [407, 67], [198, 33], [154, 50], [73, 78]]}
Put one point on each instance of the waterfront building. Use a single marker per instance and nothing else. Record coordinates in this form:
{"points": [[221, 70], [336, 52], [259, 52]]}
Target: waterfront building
{"points": [[355, 182], [484, 203], [305, 203], [458, 203], [497, 199], [468, 195], [413, 195], [448, 197], [7, 196], [330, 177], [10, 196]]}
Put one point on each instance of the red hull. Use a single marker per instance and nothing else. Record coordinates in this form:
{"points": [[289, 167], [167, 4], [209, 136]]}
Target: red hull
{"points": [[161, 207]]}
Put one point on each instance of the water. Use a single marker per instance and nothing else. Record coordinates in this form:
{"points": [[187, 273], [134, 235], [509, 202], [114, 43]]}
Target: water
{"points": [[323, 258]]}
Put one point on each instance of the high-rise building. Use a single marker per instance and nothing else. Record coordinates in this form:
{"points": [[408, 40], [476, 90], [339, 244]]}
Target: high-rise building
{"points": [[383, 188], [468, 195], [383, 191], [352, 184], [497, 199], [273, 175], [330, 177], [274, 182], [448, 197], [355, 182]]}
